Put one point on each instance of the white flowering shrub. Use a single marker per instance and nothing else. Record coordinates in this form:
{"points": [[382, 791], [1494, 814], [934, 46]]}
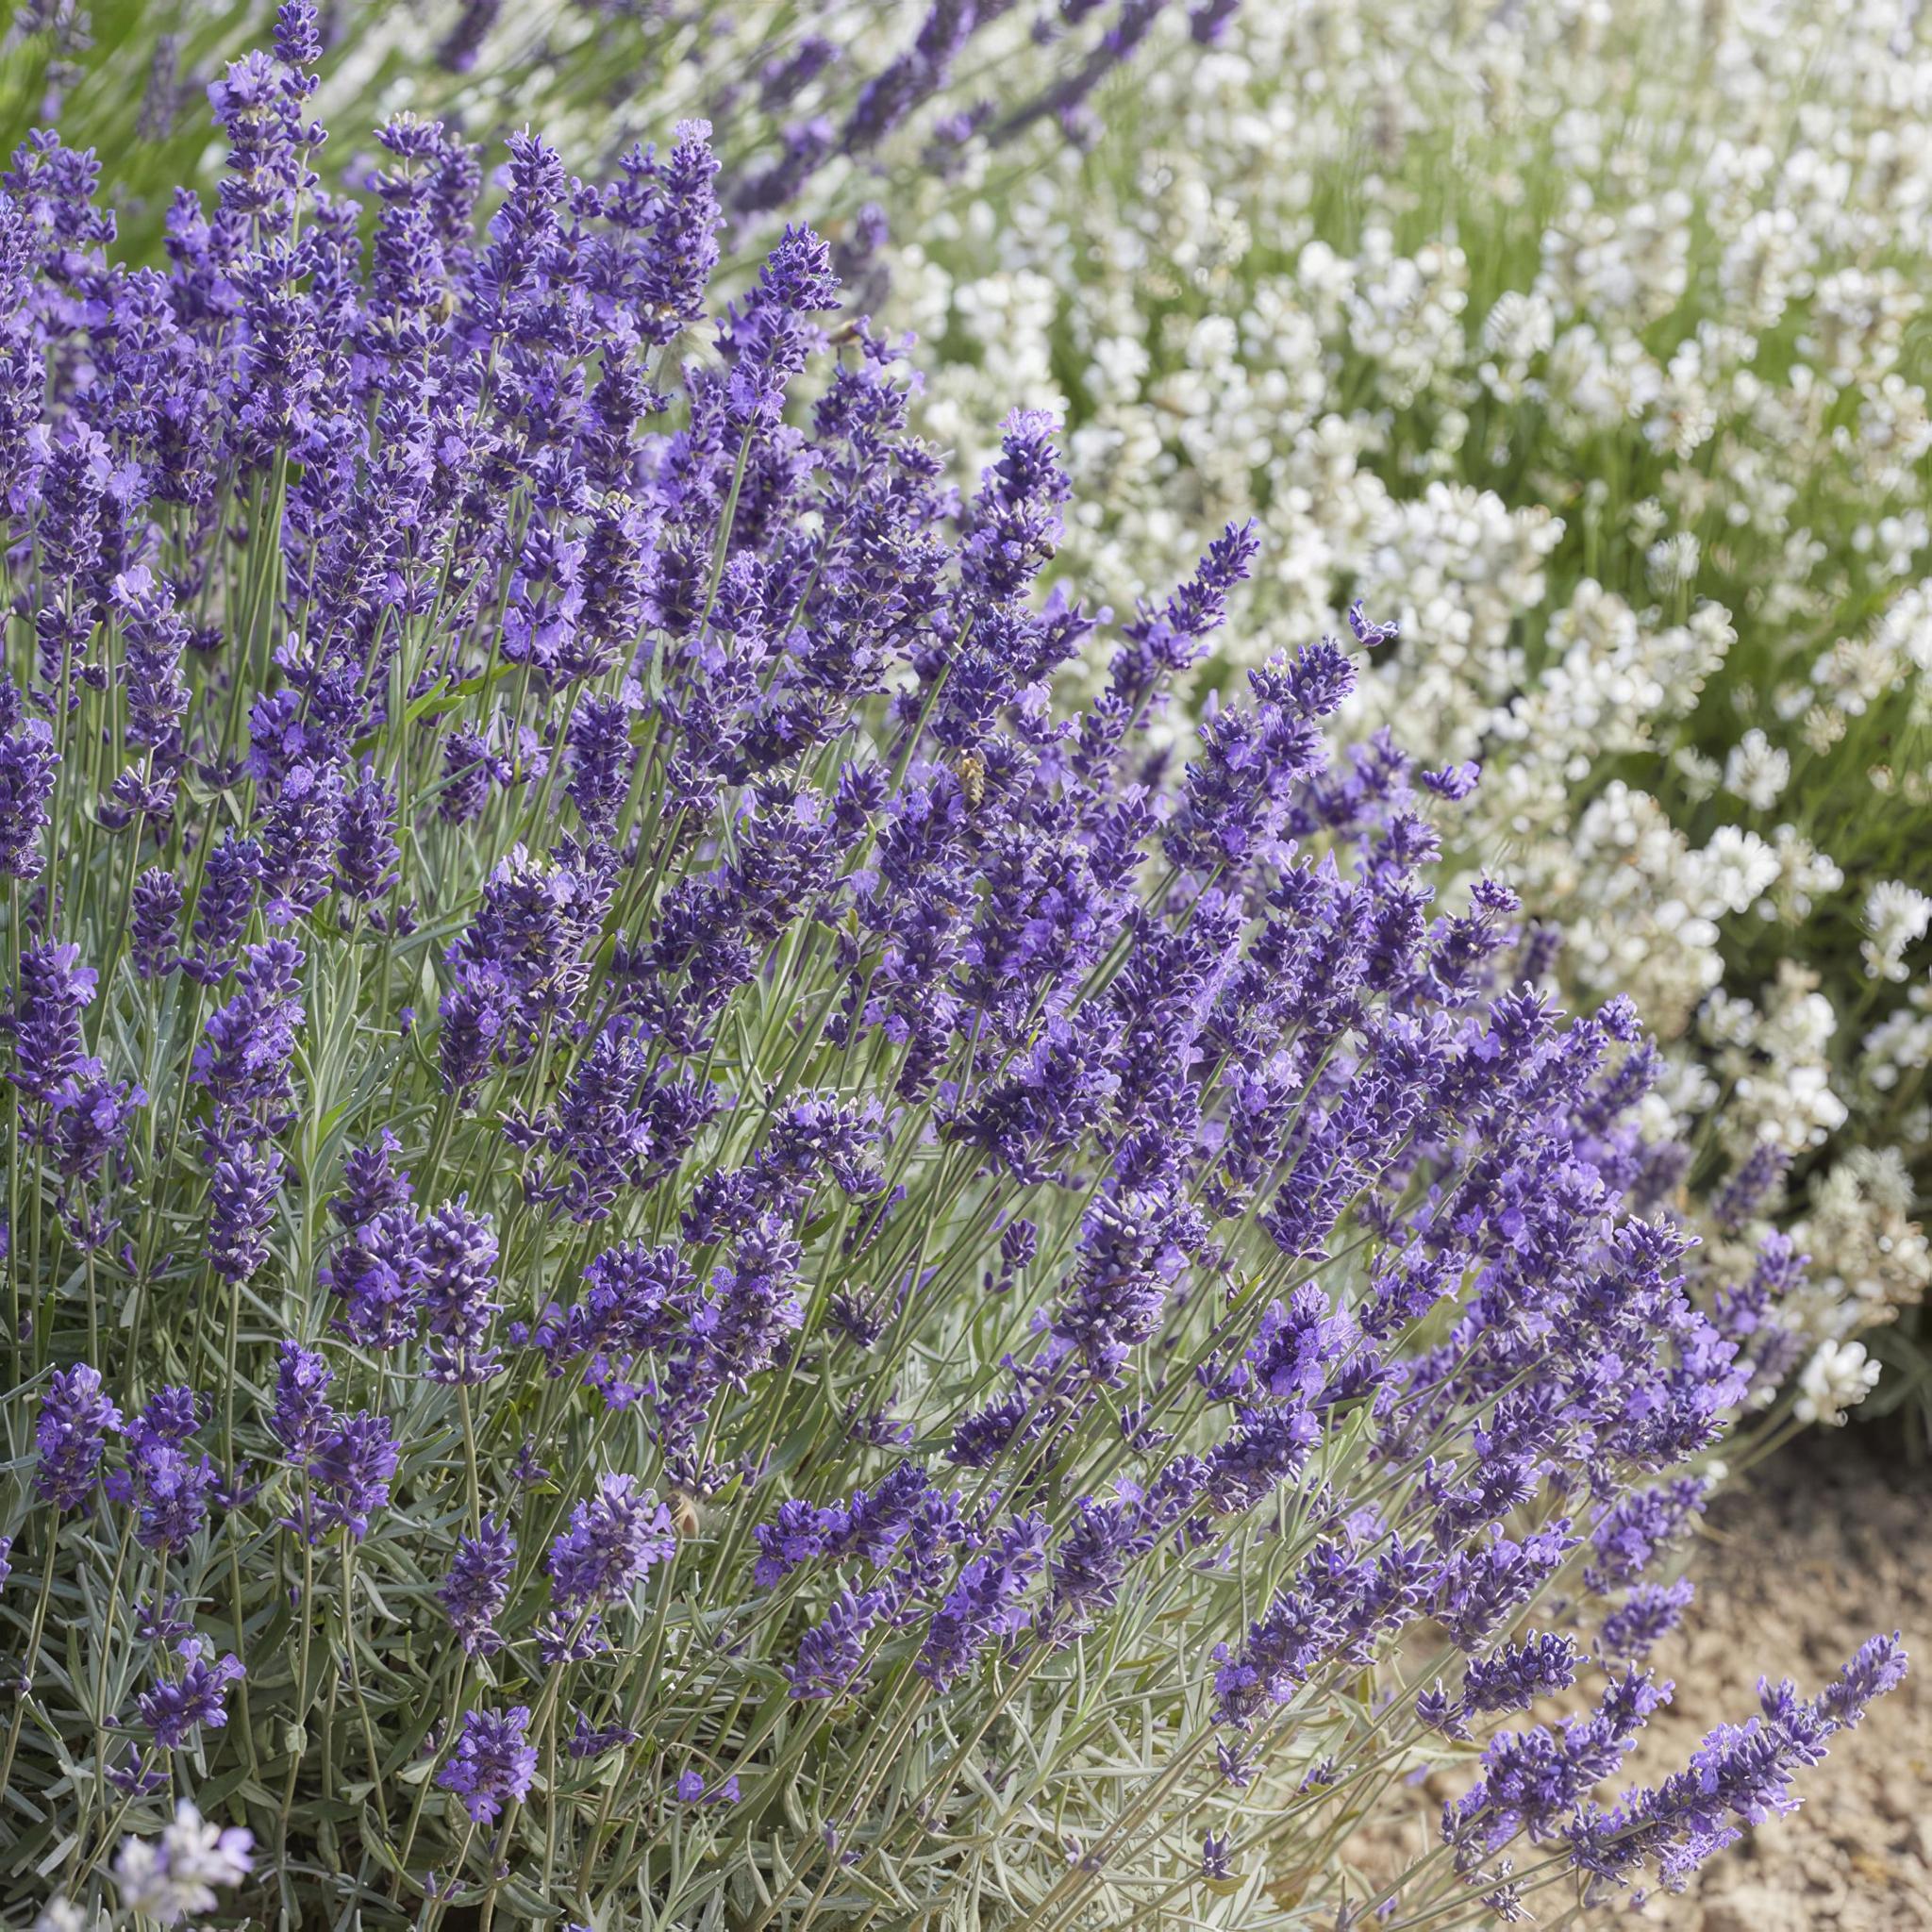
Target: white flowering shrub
{"points": [[1587, 342]]}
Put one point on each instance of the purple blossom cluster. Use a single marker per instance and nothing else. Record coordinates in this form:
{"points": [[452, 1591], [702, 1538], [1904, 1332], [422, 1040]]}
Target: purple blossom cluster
{"points": [[725, 1184]]}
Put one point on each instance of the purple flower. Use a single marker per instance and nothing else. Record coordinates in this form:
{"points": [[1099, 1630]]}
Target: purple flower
{"points": [[601, 763], [300, 840], [1520, 1673], [1739, 1777], [1481, 1586], [493, 1763], [1296, 1346], [753, 1303], [377, 1273], [588, 1741], [162, 1624], [1879, 1667], [1755, 1177], [166, 1486], [351, 1471], [155, 639], [243, 1192], [155, 922], [546, 599], [470, 28], [221, 914], [469, 767], [1238, 795], [1207, 21], [829, 1660], [457, 1251], [1131, 1247], [801, 1533], [521, 961], [766, 340], [1158, 643], [87, 1126], [71, 1437], [690, 1790], [366, 850], [49, 1051], [1017, 523], [303, 1415], [297, 43], [1631, 1532], [1019, 1244], [198, 1697], [783, 78], [1338, 1606], [1648, 1614], [243, 1059], [986, 1604], [616, 1535], [477, 1586], [886, 99], [73, 492], [475, 1017], [27, 765], [371, 1183]]}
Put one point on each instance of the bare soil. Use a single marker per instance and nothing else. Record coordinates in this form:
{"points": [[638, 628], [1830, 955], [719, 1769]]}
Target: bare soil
{"points": [[1796, 1564], [1800, 1562]]}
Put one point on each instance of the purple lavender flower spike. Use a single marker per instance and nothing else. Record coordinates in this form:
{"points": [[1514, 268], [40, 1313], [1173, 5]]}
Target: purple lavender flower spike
{"points": [[477, 1587], [71, 1437], [493, 1763], [303, 1416], [166, 1484], [49, 1053], [366, 849], [242, 1190], [197, 1699], [155, 922], [351, 1471], [156, 640], [1644, 1619], [457, 1251], [27, 766], [616, 1535]]}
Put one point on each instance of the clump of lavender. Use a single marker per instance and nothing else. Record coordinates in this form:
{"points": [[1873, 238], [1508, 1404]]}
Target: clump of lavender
{"points": [[878, 83], [670, 1253]]}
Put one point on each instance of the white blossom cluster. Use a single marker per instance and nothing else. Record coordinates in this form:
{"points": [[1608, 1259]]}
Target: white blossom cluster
{"points": [[1588, 342], [165, 1880]]}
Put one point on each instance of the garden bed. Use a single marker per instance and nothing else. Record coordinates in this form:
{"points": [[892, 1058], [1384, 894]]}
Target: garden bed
{"points": [[1795, 1563], [1823, 1544]]}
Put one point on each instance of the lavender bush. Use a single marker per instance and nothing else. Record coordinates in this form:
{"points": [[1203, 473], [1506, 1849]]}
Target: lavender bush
{"points": [[1532, 328], [855, 99], [672, 1262]]}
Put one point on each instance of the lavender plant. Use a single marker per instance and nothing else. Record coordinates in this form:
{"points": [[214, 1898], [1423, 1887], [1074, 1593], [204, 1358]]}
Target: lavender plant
{"points": [[1531, 327], [849, 99], [675, 1261]]}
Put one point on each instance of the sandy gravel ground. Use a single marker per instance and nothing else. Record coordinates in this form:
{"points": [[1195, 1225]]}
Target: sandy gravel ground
{"points": [[1798, 1564]]}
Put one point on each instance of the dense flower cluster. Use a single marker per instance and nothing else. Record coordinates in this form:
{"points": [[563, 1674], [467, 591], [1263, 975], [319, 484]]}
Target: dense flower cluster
{"points": [[696, 1256], [1589, 343], [833, 104]]}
